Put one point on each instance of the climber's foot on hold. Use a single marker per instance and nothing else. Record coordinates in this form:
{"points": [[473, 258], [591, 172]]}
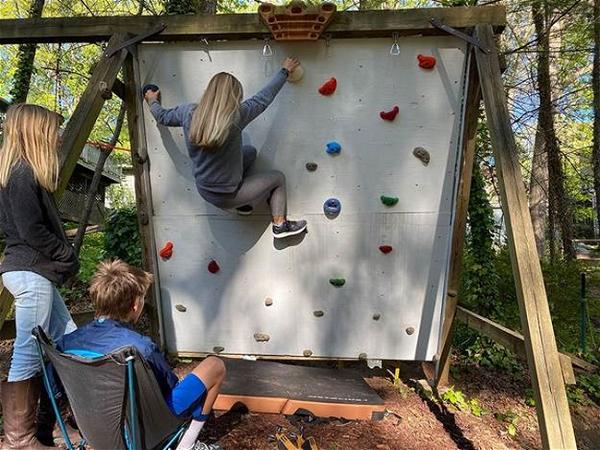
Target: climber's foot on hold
{"points": [[289, 228], [245, 210]]}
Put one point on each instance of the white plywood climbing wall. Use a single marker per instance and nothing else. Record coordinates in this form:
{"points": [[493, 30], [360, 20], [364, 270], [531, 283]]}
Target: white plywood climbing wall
{"points": [[390, 306]]}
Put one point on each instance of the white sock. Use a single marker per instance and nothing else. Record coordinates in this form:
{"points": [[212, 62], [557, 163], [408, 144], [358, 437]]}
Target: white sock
{"points": [[191, 434]]}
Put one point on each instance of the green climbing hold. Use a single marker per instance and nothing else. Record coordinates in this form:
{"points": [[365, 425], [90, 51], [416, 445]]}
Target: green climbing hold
{"points": [[389, 201], [337, 282]]}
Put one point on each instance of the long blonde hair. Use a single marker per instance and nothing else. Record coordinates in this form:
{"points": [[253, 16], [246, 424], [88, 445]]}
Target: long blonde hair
{"points": [[216, 109], [31, 135]]}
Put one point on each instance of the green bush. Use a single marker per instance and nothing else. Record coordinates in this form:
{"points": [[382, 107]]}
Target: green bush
{"points": [[92, 252], [122, 237]]}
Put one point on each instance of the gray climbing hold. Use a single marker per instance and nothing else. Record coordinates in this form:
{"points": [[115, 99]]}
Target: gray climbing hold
{"points": [[410, 330], [268, 301], [307, 353], [218, 349], [362, 356], [422, 155], [180, 308], [311, 166], [376, 316], [261, 337], [318, 313]]}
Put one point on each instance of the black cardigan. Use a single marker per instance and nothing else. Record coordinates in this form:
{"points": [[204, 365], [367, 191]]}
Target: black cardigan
{"points": [[35, 238]]}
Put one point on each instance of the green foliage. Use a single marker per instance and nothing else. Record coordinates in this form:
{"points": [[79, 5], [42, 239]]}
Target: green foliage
{"points": [[459, 400], [92, 252], [122, 237], [511, 419], [119, 196], [590, 384]]}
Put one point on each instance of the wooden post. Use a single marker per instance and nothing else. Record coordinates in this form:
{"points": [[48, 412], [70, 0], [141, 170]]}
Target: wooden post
{"points": [[471, 117], [552, 407], [77, 132], [143, 190], [87, 111]]}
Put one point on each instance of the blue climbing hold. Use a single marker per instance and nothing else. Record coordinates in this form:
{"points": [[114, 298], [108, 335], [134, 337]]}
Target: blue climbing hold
{"points": [[149, 87], [333, 148], [332, 208]]}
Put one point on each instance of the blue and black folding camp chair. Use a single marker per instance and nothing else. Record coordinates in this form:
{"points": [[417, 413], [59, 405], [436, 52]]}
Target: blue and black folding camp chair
{"points": [[115, 399]]}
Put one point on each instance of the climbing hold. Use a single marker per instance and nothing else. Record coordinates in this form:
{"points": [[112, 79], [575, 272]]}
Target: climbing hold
{"points": [[376, 316], [389, 201], [318, 313], [385, 249], [362, 356], [213, 267], [328, 87], [410, 330], [333, 148], [218, 349], [149, 87], [180, 308], [426, 62], [296, 74], [268, 301], [311, 166], [167, 251], [389, 115], [337, 282], [332, 208], [307, 353], [261, 337], [421, 154]]}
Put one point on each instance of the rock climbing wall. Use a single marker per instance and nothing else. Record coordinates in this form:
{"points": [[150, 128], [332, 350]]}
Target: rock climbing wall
{"points": [[368, 282]]}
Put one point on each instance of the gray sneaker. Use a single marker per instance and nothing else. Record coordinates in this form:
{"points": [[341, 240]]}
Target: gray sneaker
{"points": [[289, 228]]}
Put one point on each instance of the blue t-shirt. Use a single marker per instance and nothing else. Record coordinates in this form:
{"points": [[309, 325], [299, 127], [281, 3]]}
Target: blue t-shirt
{"points": [[106, 335]]}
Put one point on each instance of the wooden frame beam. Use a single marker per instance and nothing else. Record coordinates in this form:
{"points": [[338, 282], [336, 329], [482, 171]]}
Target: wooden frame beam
{"points": [[553, 413], [244, 26], [471, 119]]}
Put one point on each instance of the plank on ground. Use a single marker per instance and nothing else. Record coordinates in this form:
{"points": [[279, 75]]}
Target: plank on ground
{"points": [[552, 407]]}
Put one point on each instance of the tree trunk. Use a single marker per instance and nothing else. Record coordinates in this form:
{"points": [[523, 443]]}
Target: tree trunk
{"points": [[559, 211], [91, 194], [538, 192], [25, 59], [596, 105]]}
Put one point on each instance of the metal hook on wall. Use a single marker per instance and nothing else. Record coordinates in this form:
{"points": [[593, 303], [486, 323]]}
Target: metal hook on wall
{"points": [[267, 51], [206, 48], [395, 49]]}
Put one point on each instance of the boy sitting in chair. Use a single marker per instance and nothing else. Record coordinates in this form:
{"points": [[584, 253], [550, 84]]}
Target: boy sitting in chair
{"points": [[118, 292]]}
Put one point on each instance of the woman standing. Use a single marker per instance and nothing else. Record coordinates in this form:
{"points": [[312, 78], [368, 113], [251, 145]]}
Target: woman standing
{"points": [[37, 258]]}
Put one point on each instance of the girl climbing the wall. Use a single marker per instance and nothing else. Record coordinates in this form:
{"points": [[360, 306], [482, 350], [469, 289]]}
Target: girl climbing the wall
{"points": [[213, 133], [37, 258]]}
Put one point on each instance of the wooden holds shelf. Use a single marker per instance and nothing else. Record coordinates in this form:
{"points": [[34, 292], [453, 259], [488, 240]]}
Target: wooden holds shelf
{"points": [[296, 21]]}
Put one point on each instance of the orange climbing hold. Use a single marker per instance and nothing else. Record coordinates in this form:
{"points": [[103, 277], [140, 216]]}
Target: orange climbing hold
{"points": [[389, 115], [213, 267], [328, 87], [385, 249], [426, 62], [167, 251]]}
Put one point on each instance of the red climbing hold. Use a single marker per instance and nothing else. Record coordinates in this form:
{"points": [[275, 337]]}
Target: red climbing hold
{"points": [[213, 267], [389, 115], [167, 251], [385, 249], [328, 87], [426, 62]]}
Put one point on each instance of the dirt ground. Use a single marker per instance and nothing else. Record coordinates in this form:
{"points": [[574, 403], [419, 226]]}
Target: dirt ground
{"points": [[412, 421]]}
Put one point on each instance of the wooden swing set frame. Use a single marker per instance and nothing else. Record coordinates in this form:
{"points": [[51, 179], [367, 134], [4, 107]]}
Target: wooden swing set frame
{"points": [[549, 370]]}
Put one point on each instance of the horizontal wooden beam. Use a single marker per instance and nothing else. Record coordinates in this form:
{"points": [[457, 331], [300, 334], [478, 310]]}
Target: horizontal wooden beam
{"points": [[243, 26], [515, 342]]}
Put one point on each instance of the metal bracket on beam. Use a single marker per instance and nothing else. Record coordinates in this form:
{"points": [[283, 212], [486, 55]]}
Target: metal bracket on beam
{"points": [[459, 34], [135, 39]]}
